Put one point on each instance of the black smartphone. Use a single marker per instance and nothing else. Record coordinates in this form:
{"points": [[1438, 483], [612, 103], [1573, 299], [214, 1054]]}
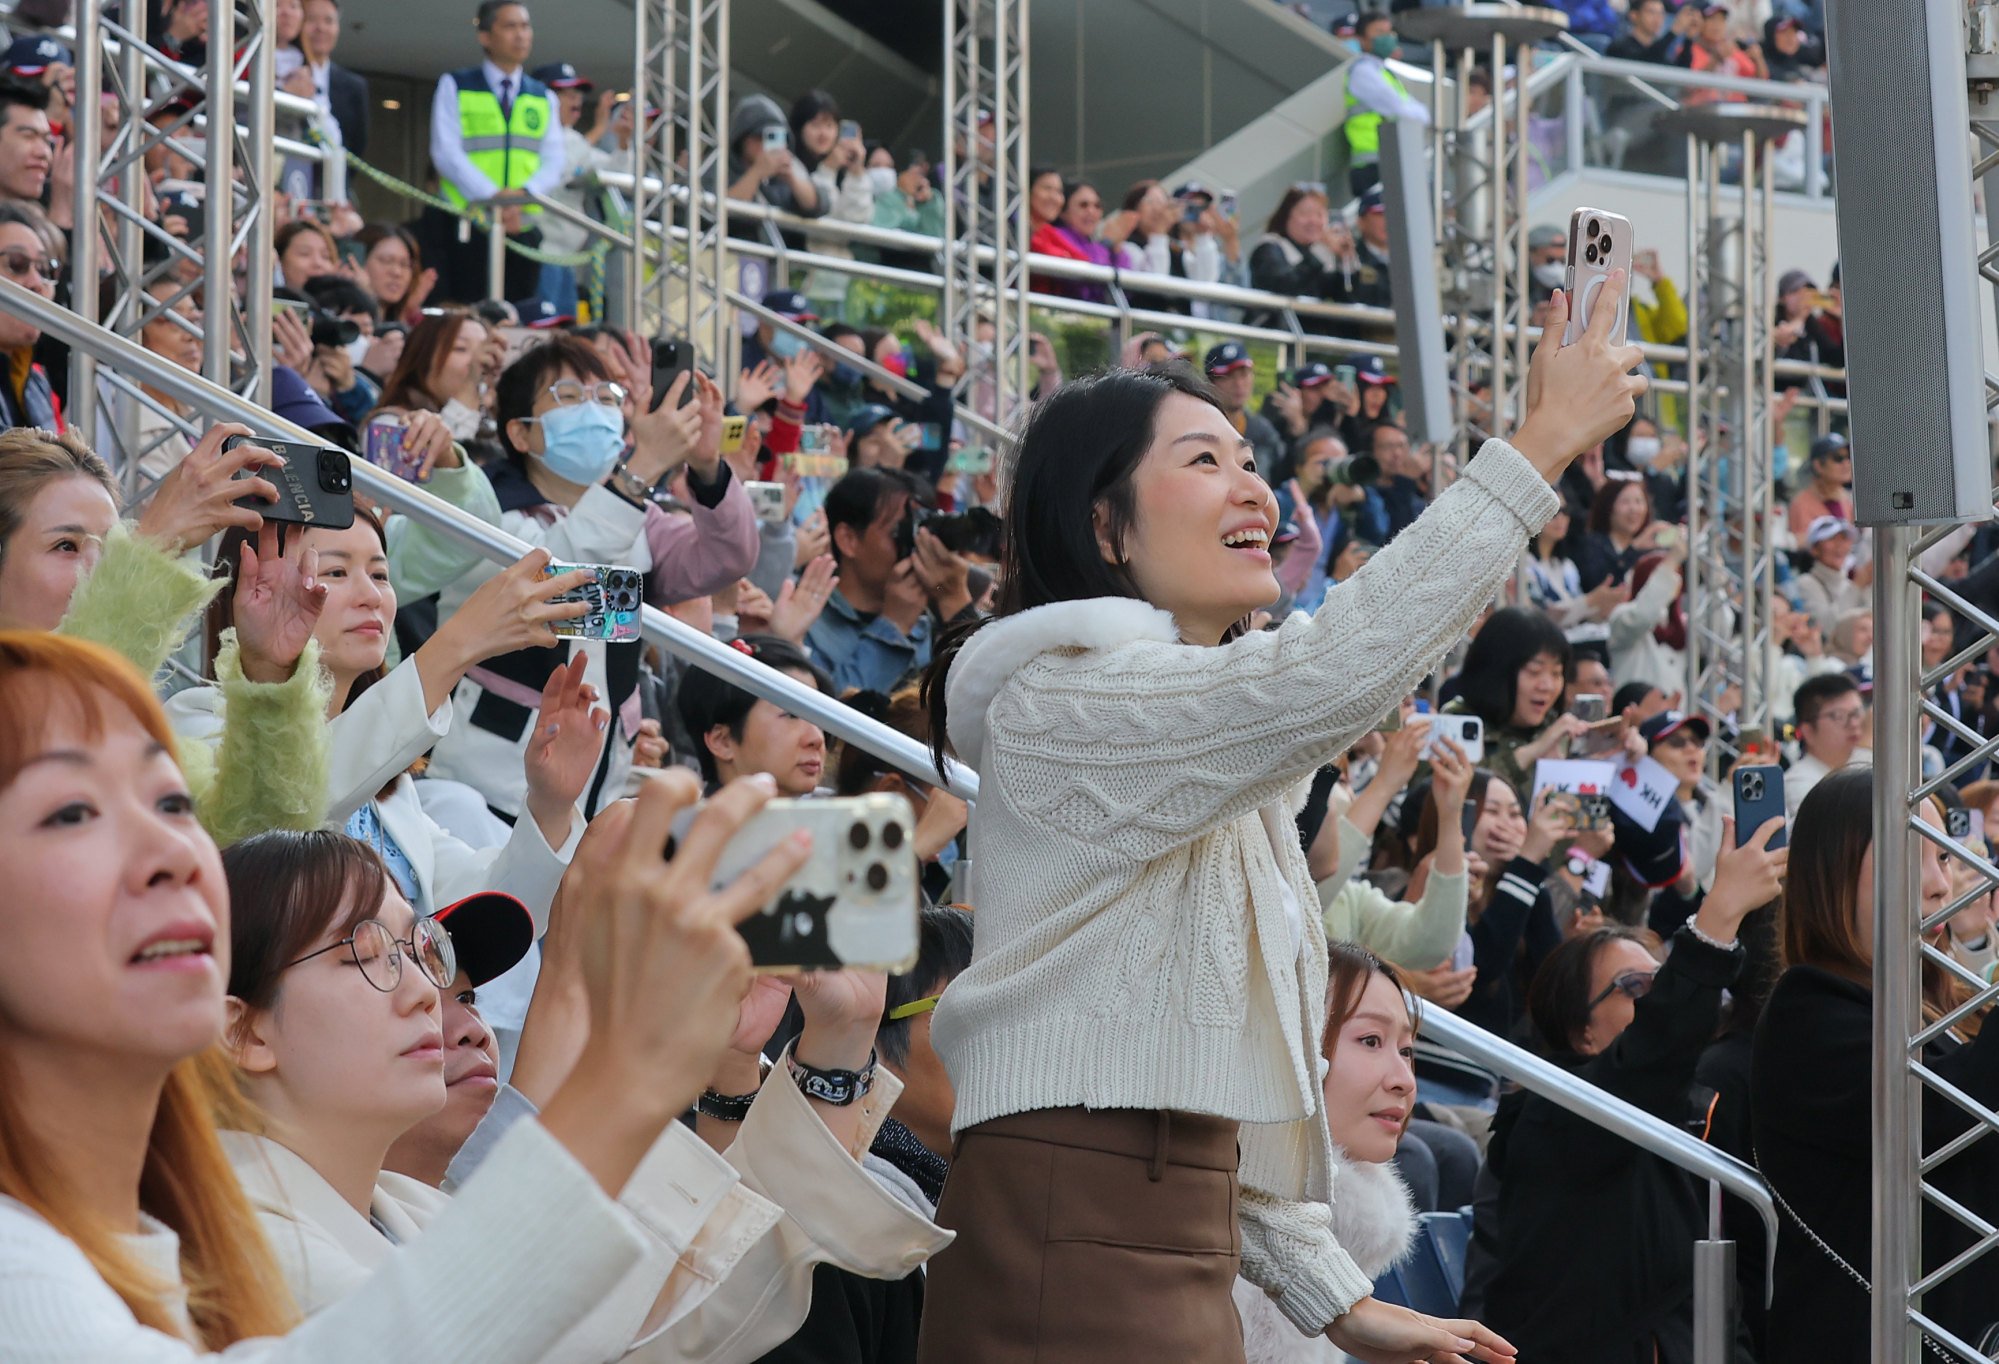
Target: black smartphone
{"points": [[1759, 798], [671, 359], [1957, 823], [315, 485], [1468, 817]]}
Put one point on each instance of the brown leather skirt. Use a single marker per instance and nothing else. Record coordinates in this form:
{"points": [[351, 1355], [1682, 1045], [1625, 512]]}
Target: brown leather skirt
{"points": [[1088, 1236]]}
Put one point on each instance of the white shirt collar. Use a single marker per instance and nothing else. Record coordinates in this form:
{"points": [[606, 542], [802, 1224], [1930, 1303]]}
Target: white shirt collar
{"points": [[494, 76]]}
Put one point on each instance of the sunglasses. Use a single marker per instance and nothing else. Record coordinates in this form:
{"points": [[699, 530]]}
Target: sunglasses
{"points": [[26, 267], [1634, 985]]}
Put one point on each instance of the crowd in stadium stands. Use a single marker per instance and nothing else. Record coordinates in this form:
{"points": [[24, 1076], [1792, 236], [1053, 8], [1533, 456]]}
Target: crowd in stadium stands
{"points": [[493, 1073]]}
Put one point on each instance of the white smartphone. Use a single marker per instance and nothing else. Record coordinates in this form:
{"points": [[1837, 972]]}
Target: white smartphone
{"points": [[767, 499], [855, 902], [1467, 730], [1599, 243]]}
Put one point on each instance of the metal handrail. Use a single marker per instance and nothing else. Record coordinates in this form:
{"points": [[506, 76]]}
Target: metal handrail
{"points": [[133, 361], [1606, 1110]]}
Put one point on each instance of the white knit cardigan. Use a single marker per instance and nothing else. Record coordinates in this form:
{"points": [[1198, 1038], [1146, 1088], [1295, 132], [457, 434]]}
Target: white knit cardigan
{"points": [[1134, 863]]}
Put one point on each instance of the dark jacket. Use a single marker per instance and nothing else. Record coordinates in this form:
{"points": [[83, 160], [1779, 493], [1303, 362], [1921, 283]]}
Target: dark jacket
{"points": [[1600, 561], [1598, 1235], [26, 398], [1518, 916], [1810, 1101], [1665, 49], [348, 94]]}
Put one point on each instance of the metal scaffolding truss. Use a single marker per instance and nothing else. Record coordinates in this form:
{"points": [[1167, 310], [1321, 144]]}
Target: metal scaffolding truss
{"points": [[1478, 186], [1909, 713], [1731, 562], [680, 85], [985, 205], [134, 102]]}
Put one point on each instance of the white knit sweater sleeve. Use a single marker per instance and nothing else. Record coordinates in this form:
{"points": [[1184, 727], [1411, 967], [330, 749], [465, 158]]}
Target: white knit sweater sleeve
{"points": [[1291, 1252], [1143, 747], [518, 1259]]}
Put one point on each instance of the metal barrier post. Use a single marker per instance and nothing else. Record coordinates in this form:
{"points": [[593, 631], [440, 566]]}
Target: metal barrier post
{"points": [[84, 147], [1715, 1304], [496, 252]]}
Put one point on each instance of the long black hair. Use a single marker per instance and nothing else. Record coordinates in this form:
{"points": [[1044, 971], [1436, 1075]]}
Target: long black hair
{"points": [[1511, 639], [1076, 459]]}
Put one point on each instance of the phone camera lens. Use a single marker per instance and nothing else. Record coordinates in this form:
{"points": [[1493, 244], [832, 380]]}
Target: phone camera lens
{"points": [[1593, 228], [857, 835], [877, 877], [892, 835], [1589, 253]]}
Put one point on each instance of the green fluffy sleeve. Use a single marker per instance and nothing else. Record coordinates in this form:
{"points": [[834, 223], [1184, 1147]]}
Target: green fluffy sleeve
{"points": [[140, 600], [271, 768]]}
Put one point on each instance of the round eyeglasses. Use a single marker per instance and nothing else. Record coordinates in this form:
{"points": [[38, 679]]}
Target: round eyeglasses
{"points": [[379, 953], [574, 392]]}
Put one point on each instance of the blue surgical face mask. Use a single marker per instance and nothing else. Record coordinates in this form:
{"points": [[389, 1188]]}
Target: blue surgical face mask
{"points": [[582, 442], [844, 376], [783, 345], [1384, 45]]}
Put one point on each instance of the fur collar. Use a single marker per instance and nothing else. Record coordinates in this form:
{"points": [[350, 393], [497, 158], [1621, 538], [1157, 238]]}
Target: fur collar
{"points": [[1373, 1216], [1001, 649]]}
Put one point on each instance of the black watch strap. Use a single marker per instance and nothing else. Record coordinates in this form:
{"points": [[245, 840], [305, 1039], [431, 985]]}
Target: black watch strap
{"points": [[835, 1087]]}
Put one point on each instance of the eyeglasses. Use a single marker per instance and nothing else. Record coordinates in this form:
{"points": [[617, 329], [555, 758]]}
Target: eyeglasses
{"points": [[1841, 717], [30, 268], [573, 393], [379, 953], [1633, 985]]}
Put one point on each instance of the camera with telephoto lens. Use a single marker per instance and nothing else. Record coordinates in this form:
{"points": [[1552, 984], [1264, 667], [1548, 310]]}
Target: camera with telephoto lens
{"points": [[975, 532], [328, 330], [1355, 471]]}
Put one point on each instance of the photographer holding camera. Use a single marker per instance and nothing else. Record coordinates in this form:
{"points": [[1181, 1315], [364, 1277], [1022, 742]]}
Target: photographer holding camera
{"points": [[894, 576]]}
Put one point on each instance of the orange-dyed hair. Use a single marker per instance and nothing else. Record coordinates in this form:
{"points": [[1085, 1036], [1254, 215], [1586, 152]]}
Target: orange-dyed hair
{"points": [[234, 1288]]}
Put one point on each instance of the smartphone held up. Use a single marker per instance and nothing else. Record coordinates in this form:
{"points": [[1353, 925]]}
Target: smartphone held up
{"points": [[854, 904], [1599, 245]]}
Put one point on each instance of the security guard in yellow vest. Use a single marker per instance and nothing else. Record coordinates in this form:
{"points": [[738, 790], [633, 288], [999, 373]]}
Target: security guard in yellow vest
{"points": [[1373, 93], [494, 128]]}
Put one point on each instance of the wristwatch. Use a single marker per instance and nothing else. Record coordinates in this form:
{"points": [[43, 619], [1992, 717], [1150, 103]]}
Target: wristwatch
{"points": [[836, 1087], [731, 1107], [630, 485]]}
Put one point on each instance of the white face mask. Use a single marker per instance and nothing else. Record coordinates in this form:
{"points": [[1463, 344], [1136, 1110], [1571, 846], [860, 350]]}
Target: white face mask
{"points": [[882, 178], [1641, 451], [358, 347], [461, 421], [1550, 275]]}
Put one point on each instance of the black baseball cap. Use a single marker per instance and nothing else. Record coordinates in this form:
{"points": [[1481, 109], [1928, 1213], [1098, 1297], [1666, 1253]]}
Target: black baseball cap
{"points": [[1229, 356], [490, 933], [1368, 369], [1372, 202], [790, 304], [1311, 374], [562, 76], [1827, 446], [1671, 722]]}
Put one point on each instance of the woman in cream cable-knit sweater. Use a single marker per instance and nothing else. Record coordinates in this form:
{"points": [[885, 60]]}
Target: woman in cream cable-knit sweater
{"points": [[1146, 978]]}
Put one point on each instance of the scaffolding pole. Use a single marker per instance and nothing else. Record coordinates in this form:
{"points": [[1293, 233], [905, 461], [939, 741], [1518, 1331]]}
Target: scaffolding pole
{"points": [[1731, 562], [680, 141], [985, 204], [1479, 196]]}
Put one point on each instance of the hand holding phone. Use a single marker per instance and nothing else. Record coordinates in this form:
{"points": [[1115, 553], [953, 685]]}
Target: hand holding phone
{"points": [[1759, 798], [1599, 244], [1468, 731], [614, 596], [853, 904], [315, 484]]}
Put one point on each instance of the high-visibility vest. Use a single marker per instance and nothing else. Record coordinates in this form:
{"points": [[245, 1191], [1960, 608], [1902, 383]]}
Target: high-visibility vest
{"points": [[505, 147], [1364, 128]]}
